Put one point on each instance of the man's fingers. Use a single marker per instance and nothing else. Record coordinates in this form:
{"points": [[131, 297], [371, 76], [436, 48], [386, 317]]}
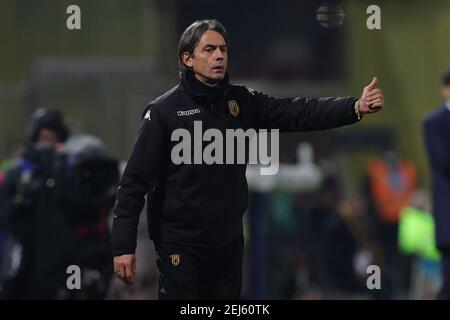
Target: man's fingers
{"points": [[376, 102], [129, 274], [116, 266], [375, 97], [129, 271], [376, 106], [122, 273], [119, 270], [372, 84], [125, 267], [375, 109], [374, 92]]}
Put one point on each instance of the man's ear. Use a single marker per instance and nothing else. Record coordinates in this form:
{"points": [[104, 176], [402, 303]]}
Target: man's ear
{"points": [[187, 59]]}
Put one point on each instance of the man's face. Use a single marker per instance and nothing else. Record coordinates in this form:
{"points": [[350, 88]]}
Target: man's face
{"points": [[47, 137], [210, 57], [446, 92]]}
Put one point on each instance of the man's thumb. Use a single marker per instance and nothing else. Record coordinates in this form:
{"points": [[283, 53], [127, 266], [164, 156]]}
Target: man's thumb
{"points": [[372, 84]]}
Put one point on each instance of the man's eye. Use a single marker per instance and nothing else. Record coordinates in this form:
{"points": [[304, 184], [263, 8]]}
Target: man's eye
{"points": [[208, 49]]}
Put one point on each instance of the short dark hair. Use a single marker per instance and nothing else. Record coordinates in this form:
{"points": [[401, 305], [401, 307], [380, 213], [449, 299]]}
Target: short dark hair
{"points": [[191, 36], [446, 78]]}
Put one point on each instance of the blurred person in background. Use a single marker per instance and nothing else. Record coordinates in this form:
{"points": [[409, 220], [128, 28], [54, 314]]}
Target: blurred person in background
{"points": [[24, 208], [54, 207], [195, 211], [391, 182], [417, 238], [437, 142], [7, 242]]}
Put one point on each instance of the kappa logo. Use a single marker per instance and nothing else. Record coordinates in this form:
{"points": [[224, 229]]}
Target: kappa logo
{"points": [[147, 115], [187, 112], [175, 259]]}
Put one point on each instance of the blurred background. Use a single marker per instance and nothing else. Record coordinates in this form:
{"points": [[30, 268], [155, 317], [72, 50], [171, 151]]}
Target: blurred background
{"points": [[312, 231]]}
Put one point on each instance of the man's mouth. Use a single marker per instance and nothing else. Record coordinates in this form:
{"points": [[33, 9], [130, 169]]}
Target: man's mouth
{"points": [[218, 68]]}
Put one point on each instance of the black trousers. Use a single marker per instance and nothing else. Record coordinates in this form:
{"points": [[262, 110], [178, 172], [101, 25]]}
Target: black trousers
{"points": [[190, 272]]}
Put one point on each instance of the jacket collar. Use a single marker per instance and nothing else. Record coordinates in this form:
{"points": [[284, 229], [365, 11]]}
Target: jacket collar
{"points": [[200, 92]]}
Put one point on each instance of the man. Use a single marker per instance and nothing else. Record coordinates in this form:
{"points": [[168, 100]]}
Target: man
{"points": [[28, 212], [54, 202], [437, 141], [195, 210]]}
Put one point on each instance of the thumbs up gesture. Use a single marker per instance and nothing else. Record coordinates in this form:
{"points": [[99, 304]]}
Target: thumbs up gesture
{"points": [[372, 99]]}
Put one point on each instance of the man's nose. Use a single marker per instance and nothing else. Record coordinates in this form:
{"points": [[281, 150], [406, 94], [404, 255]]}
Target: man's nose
{"points": [[219, 54]]}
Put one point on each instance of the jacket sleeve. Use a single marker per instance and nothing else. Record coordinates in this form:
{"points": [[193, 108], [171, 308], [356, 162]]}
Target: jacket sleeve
{"points": [[8, 191], [141, 169], [437, 148], [16, 205], [302, 114]]}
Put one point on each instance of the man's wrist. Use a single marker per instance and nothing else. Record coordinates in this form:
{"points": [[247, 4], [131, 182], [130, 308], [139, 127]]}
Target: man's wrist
{"points": [[357, 112]]}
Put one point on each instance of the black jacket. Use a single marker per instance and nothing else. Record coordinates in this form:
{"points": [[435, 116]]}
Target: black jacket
{"points": [[437, 142], [202, 204]]}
